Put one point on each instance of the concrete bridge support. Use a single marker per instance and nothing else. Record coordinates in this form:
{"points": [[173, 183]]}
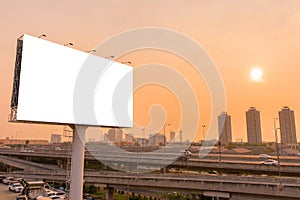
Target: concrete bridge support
{"points": [[109, 193], [164, 170], [60, 163]]}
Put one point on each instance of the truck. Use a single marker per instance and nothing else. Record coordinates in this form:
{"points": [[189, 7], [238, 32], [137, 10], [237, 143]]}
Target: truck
{"points": [[32, 190]]}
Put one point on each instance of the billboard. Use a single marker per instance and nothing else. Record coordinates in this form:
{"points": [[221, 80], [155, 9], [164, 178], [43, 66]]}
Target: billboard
{"points": [[60, 85]]}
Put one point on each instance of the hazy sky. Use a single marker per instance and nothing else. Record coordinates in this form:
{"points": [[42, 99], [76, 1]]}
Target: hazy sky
{"points": [[238, 35]]}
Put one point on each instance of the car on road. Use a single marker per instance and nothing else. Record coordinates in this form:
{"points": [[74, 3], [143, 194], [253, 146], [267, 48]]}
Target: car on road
{"points": [[269, 162], [264, 156], [57, 195], [16, 187], [7, 180], [1, 178], [26, 151], [213, 172], [10, 184]]}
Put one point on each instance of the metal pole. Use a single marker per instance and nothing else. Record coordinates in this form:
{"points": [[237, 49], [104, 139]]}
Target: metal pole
{"points": [[219, 143], [164, 134], [137, 154], [165, 144], [144, 140], [277, 151], [203, 126], [77, 163]]}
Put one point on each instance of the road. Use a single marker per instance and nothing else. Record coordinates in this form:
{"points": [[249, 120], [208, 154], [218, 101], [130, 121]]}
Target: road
{"points": [[5, 194], [155, 157]]}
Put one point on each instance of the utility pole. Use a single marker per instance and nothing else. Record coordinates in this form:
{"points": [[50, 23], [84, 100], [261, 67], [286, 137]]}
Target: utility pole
{"points": [[277, 150]]}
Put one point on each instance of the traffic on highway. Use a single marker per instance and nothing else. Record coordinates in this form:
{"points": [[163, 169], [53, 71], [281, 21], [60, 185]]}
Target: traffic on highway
{"points": [[21, 189]]}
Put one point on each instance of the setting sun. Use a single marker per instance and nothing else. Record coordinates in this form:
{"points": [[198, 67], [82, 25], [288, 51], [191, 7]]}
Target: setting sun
{"points": [[256, 74]]}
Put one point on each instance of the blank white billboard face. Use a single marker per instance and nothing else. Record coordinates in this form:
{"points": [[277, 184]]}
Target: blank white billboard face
{"points": [[59, 84]]}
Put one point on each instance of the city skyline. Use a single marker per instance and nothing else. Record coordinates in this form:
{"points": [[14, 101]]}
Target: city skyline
{"points": [[223, 118]]}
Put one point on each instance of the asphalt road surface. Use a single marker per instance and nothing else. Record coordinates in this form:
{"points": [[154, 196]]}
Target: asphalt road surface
{"points": [[5, 194]]}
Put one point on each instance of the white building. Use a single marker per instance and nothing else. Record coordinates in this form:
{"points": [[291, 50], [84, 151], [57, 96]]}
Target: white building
{"points": [[157, 139]]}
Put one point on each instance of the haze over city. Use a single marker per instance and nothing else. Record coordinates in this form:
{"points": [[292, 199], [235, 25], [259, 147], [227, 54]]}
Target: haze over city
{"points": [[239, 36]]}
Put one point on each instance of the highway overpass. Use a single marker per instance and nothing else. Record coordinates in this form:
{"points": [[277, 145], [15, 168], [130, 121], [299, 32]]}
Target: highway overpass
{"points": [[155, 161], [225, 187]]}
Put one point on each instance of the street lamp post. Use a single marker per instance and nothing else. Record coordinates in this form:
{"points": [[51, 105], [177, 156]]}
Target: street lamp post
{"points": [[277, 149], [144, 139], [168, 124], [220, 153], [203, 142]]}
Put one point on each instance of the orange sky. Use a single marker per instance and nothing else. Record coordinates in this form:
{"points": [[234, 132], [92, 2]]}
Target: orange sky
{"points": [[238, 35]]}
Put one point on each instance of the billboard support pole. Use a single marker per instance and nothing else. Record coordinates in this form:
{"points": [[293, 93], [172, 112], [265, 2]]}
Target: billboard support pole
{"points": [[77, 162]]}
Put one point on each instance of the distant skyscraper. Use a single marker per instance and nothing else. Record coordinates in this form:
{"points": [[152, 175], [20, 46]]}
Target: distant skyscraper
{"points": [[157, 139], [129, 137], [55, 138], [253, 126], [224, 125], [172, 136], [287, 126], [115, 134]]}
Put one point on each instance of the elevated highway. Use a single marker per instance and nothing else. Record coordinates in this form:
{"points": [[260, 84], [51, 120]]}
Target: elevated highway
{"points": [[27, 165], [154, 161], [226, 187]]}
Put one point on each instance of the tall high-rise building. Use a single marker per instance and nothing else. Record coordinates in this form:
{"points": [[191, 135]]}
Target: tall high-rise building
{"points": [[224, 126], [253, 126], [55, 138], [172, 136], [115, 134], [287, 126]]}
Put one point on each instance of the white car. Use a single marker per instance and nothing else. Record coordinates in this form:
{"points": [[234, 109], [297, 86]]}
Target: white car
{"points": [[264, 156], [16, 187], [7, 179], [269, 162], [10, 185], [57, 195]]}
